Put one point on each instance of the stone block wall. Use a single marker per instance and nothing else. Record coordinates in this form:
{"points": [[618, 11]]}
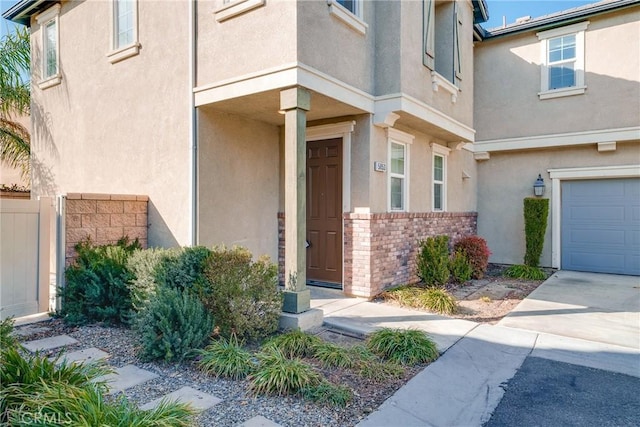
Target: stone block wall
{"points": [[380, 249], [104, 218]]}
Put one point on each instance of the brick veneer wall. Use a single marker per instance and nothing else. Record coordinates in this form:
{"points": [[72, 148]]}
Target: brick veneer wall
{"points": [[380, 249], [104, 218]]}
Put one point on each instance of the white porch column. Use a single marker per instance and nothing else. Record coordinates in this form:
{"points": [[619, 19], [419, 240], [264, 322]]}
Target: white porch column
{"points": [[295, 103]]}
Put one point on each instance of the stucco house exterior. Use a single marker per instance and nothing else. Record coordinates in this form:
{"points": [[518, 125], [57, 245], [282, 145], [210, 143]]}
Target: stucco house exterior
{"points": [[217, 110], [331, 135], [559, 96]]}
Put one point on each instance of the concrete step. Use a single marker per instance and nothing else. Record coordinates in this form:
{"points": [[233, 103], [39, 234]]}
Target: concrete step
{"points": [[259, 421], [29, 330], [87, 355], [198, 400], [49, 343], [126, 377]]}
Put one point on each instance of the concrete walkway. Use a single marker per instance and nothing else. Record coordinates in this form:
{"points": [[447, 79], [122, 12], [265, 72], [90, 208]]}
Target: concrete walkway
{"points": [[464, 386]]}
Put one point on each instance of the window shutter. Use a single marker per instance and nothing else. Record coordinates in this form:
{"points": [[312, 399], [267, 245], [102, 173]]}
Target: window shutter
{"points": [[457, 63], [428, 26]]}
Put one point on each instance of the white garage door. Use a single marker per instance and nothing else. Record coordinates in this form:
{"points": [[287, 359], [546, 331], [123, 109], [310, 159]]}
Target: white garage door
{"points": [[601, 226]]}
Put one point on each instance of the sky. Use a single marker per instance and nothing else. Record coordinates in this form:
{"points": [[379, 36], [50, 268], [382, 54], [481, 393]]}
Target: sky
{"points": [[511, 9]]}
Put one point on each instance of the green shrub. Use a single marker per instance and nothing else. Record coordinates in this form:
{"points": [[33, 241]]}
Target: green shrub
{"points": [[406, 347], [406, 295], [144, 265], [172, 325], [477, 253], [380, 371], [434, 299], [278, 375], [433, 260], [226, 358], [525, 272], [331, 355], [185, 271], [96, 288], [438, 300], [295, 343], [7, 339], [461, 268], [243, 294], [23, 377], [61, 404], [327, 393], [536, 212]]}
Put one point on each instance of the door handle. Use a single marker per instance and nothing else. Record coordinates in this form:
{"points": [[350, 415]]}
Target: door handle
{"points": [[307, 244]]}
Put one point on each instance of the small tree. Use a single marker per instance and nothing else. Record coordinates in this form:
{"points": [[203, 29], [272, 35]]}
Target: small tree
{"points": [[433, 260], [536, 212], [15, 57]]}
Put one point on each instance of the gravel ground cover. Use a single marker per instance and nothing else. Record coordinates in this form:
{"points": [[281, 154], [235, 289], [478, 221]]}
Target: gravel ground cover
{"points": [[237, 405]]}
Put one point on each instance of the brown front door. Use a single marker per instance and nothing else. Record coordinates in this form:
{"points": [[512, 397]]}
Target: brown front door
{"points": [[324, 210]]}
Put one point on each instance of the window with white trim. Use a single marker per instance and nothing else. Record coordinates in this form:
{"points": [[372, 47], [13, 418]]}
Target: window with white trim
{"points": [[123, 26], [124, 30], [350, 13], [398, 183], [439, 177], [562, 61], [50, 46], [397, 176]]}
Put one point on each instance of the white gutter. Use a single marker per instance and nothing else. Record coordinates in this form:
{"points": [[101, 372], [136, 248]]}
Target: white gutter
{"points": [[193, 128]]}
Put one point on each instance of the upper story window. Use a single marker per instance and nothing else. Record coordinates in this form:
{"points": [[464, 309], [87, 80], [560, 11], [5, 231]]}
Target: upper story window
{"points": [[398, 184], [124, 30], [439, 177], [562, 61], [124, 23], [350, 5], [442, 25], [50, 47], [350, 13]]}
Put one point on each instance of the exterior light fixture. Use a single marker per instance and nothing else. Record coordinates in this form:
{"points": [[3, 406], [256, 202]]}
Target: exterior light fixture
{"points": [[538, 186]]}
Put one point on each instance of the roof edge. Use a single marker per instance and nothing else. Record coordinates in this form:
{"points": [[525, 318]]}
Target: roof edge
{"points": [[557, 19], [22, 11]]}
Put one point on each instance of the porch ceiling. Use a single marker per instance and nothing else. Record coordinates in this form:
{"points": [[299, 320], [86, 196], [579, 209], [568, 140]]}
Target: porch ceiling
{"points": [[264, 107]]}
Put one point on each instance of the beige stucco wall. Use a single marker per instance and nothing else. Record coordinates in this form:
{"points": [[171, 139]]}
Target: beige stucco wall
{"points": [[416, 78], [508, 177], [118, 128], [507, 77], [258, 40], [329, 45], [238, 182]]}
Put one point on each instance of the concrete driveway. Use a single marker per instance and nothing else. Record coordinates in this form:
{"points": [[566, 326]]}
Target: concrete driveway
{"points": [[595, 307]]}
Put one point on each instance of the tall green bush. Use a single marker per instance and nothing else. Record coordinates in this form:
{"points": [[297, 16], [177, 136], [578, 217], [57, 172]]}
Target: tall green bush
{"points": [[242, 294], [433, 260], [145, 265], [96, 288], [172, 325], [536, 212], [185, 271]]}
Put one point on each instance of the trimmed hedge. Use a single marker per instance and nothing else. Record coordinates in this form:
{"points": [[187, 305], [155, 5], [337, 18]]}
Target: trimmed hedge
{"points": [[476, 251], [536, 212]]}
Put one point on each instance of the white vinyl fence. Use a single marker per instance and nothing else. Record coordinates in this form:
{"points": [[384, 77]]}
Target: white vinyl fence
{"points": [[24, 256]]}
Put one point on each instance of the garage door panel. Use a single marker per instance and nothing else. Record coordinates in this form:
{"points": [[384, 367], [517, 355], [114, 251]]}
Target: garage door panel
{"points": [[589, 214], [598, 237], [600, 229]]}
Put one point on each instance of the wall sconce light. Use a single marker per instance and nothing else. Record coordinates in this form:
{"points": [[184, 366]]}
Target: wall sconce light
{"points": [[538, 186]]}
